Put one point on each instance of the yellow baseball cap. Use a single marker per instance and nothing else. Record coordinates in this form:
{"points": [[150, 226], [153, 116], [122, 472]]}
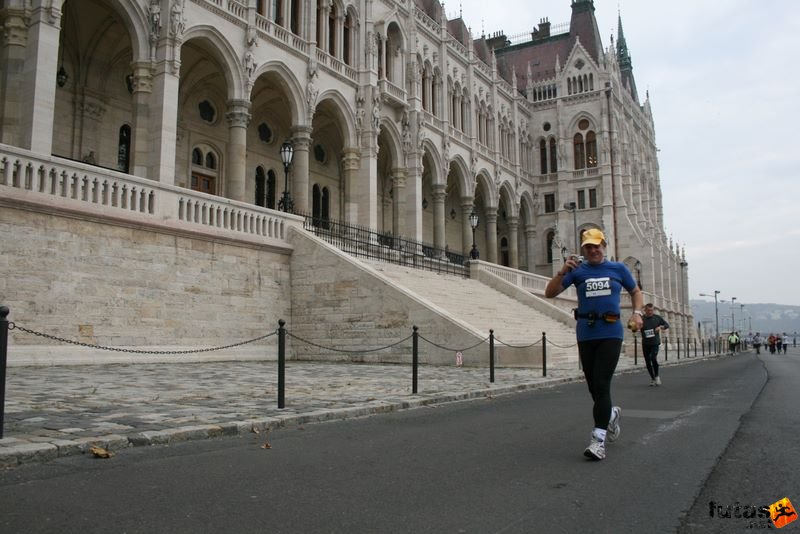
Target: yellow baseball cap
{"points": [[593, 236]]}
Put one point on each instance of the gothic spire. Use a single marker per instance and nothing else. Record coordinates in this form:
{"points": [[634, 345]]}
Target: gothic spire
{"points": [[623, 57]]}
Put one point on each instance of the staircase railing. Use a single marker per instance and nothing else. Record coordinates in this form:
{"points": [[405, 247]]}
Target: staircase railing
{"points": [[367, 243]]}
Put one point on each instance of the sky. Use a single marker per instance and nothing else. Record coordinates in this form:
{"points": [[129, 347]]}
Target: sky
{"points": [[722, 84]]}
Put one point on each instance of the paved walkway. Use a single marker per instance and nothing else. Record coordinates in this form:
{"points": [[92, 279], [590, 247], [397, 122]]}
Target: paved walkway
{"points": [[60, 411]]}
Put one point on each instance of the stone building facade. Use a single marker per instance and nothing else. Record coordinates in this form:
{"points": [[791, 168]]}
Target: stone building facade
{"points": [[400, 119]]}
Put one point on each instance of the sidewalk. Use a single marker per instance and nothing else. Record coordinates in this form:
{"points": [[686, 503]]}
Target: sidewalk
{"points": [[60, 411]]}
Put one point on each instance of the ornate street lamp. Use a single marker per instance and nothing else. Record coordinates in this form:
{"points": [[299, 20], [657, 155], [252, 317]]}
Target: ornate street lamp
{"points": [[716, 309], [473, 222], [287, 153]]}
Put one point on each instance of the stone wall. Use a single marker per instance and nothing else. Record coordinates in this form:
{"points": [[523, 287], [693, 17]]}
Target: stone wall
{"points": [[342, 304], [118, 284]]}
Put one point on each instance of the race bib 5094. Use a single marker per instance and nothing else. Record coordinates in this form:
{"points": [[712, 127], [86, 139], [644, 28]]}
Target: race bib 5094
{"points": [[598, 287]]}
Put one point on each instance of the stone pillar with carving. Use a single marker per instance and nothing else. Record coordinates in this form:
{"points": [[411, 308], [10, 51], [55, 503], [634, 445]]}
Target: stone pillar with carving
{"points": [[37, 76], [166, 36], [399, 202], [301, 140], [140, 99], [238, 116], [491, 233], [513, 243]]}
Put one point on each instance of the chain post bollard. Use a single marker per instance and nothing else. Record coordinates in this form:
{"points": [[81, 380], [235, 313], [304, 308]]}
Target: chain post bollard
{"points": [[678, 346], [636, 350], [544, 353], [281, 363], [414, 360], [4, 311], [491, 356], [695, 347]]}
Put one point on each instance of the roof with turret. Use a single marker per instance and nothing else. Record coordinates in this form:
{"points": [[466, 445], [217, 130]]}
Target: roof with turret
{"points": [[545, 51]]}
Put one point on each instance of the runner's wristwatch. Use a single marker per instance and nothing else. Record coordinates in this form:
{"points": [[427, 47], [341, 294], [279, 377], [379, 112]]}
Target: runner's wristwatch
{"points": [[640, 313]]}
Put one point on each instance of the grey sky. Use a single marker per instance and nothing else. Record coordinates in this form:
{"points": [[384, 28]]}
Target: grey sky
{"points": [[721, 80]]}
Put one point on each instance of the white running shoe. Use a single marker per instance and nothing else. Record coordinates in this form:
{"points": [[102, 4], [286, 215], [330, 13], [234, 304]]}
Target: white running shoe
{"points": [[613, 424], [596, 449], [658, 380], [653, 383]]}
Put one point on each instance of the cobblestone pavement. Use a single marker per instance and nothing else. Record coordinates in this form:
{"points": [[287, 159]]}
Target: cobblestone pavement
{"points": [[61, 411]]}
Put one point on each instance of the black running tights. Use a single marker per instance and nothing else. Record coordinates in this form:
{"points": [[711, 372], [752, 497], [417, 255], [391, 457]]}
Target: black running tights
{"points": [[599, 359]]}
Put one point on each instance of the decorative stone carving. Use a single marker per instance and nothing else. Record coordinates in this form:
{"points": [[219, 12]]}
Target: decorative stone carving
{"points": [[155, 19], [177, 23]]}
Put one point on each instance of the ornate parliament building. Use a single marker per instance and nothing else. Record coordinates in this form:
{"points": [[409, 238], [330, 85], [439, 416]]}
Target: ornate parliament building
{"points": [[150, 150]]}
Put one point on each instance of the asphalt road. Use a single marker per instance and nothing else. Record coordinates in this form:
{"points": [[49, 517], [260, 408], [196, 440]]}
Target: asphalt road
{"points": [[721, 430]]}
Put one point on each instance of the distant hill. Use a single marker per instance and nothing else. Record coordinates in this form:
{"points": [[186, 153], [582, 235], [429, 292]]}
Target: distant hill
{"points": [[764, 318]]}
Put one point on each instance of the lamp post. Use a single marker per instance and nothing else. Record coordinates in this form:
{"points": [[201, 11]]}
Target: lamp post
{"points": [[571, 206], [473, 222], [733, 309], [287, 153], [638, 267], [716, 308]]}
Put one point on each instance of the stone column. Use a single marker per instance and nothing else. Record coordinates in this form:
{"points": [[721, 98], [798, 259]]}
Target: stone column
{"points": [[37, 94], [324, 28], [12, 84], [163, 123], [350, 160], [142, 91], [238, 116], [530, 237], [300, 179], [399, 202], [513, 245], [491, 233], [439, 196]]}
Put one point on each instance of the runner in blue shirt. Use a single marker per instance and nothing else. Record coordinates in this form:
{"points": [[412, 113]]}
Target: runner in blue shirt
{"points": [[599, 283]]}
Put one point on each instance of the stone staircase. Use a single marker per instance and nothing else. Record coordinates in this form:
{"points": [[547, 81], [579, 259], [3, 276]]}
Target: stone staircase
{"points": [[517, 327]]}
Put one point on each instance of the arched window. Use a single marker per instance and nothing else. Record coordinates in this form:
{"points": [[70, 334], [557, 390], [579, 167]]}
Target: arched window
{"points": [[543, 157], [204, 170], [591, 150], [271, 189], [332, 30], [321, 206], [124, 148], [277, 16], [295, 20], [261, 187], [553, 155], [347, 36], [265, 188], [579, 152]]}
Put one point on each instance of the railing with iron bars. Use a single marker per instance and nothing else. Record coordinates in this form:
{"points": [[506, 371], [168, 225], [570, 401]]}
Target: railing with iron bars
{"points": [[367, 243]]}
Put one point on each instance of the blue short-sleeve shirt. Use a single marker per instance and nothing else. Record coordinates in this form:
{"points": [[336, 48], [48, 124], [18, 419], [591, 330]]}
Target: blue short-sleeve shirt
{"points": [[599, 287]]}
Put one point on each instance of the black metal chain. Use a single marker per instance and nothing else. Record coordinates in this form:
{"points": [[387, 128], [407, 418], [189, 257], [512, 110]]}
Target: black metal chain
{"points": [[344, 350], [563, 346], [451, 349], [519, 346], [12, 326]]}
